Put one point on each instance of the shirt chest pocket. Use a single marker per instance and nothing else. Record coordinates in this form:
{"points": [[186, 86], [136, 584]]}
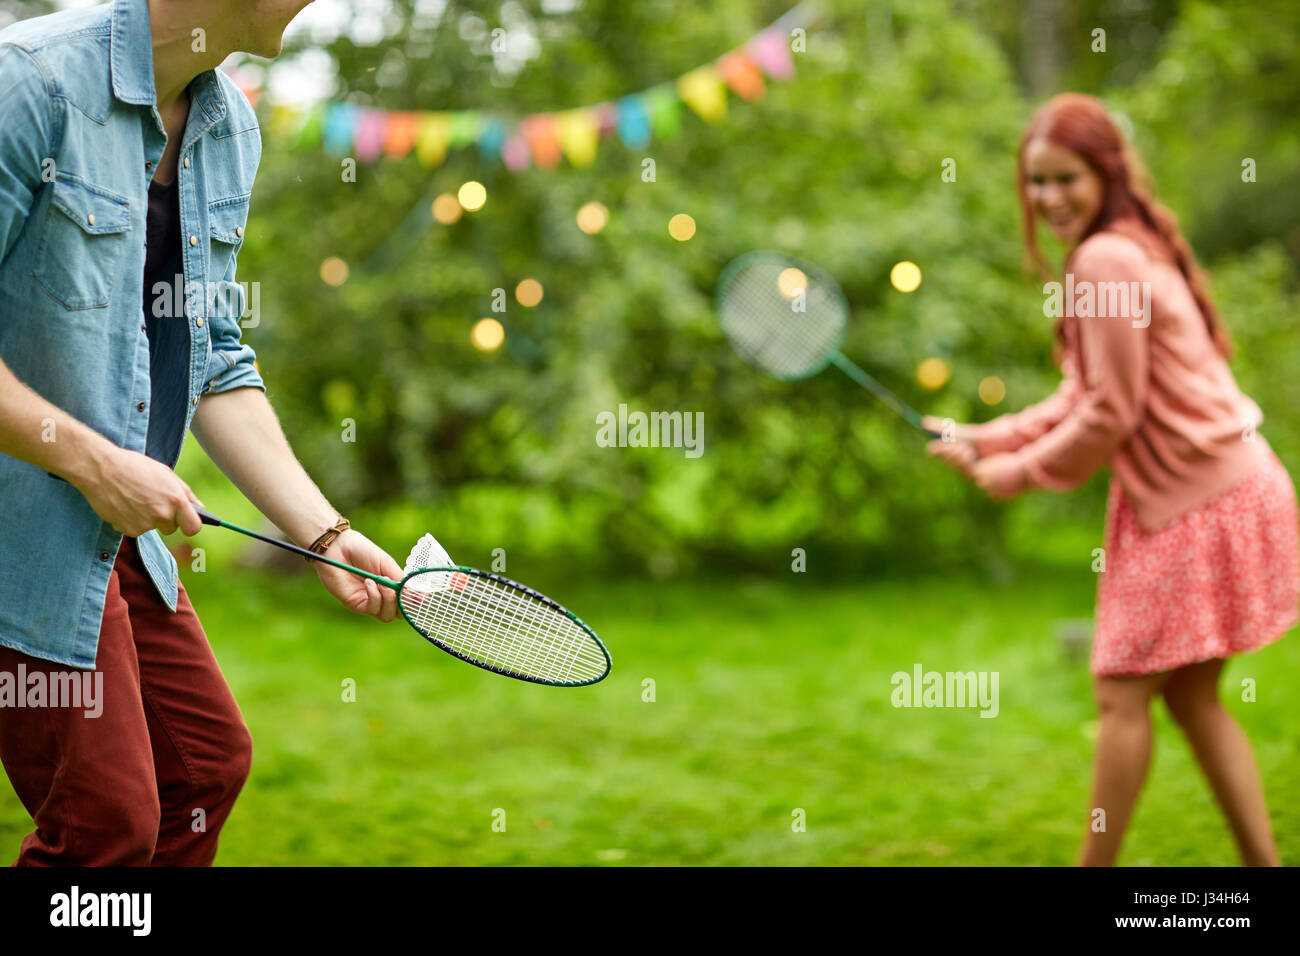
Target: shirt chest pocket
{"points": [[226, 219], [84, 239]]}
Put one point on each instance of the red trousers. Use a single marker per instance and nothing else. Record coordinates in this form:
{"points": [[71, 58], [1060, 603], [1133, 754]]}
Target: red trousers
{"points": [[153, 778]]}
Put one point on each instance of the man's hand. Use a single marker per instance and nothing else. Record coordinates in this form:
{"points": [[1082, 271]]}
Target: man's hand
{"points": [[135, 494], [360, 594]]}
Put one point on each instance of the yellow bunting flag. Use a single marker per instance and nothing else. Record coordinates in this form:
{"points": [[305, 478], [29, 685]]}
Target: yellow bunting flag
{"points": [[578, 136], [284, 120], [431, 138], [703, 92]]}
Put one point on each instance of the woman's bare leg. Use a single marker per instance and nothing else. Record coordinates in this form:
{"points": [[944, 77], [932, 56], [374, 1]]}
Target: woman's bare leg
{"points": [[1123, 756], [1224, 753]]}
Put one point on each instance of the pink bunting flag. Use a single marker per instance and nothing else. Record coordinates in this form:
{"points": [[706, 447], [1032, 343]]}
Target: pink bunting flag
{"points": [[771, 51], [370, 134], [515, 153], [606, 118]]}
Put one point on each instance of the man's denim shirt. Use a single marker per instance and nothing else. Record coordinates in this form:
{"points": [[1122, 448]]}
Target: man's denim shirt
{"points": [[80, 136]]}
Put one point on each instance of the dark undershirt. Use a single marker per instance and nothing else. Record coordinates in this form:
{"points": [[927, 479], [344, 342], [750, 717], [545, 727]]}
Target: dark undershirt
{"points": [[169, 334]]}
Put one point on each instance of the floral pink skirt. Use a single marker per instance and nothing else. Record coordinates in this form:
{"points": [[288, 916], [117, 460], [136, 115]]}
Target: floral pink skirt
{"points": [[1221, 580]]}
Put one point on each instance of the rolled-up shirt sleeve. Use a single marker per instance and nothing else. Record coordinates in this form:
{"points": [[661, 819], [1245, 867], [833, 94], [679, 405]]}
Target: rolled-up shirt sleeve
{"points": [[26, 133], [230, 360], [1113, 369], [1008, 433]]}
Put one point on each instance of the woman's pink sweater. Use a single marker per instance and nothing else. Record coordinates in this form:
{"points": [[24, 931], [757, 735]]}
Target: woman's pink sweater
{"points": [[1153, 399]]}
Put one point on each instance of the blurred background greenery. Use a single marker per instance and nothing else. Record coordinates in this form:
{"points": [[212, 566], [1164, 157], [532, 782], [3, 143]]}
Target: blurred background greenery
{"points": [[772, 686], [840, 165]]}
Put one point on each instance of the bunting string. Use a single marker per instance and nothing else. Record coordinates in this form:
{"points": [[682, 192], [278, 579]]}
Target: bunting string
{"points": [[540, 140]]}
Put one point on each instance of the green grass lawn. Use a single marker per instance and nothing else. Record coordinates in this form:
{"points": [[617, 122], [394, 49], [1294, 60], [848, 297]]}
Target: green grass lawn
{"points": [[771, 695]]}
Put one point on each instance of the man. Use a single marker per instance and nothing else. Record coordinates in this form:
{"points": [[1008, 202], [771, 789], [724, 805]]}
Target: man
{"points": [[124, 153]]}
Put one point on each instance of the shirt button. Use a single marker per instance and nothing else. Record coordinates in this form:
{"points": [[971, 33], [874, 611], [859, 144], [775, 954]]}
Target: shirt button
{"points": [[239, 230], [196, 399], [139, 406], [194, 240], [199, 322], [187, 162], [91, 219], [104, 555]]}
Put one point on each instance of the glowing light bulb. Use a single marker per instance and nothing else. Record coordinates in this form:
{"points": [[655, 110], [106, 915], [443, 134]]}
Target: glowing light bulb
{"points": [[933, 373], [791, 282], [592, 217], [446, 209], [472, 196], [529, 292], [334, 271], [991, 390], [681, 227], [905, 276], [487, 335]]}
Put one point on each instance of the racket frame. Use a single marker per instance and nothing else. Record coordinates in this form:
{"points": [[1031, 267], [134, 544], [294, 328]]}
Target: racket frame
{"points": [[833, 356], [527, 591], [210, 519]]}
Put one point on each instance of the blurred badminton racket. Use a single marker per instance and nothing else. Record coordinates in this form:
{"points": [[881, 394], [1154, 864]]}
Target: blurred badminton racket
{"points": [[788, 318]]}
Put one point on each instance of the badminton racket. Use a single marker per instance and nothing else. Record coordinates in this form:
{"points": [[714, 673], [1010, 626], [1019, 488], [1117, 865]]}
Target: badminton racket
{"points": [[788, 318], [483, 619]]}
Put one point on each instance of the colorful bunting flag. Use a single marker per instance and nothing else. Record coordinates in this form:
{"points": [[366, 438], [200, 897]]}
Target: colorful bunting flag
{"points": [[540, 139], [742, 76], [703, 91], [399, 137], [665, 111], [492, 138], [771, 51], [515, 153], [578, 135], [633, 123], [369, 139], [431, 139], [543, 141]]}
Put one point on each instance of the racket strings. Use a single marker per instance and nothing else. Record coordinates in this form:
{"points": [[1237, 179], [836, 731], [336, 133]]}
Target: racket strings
{"points": [[786, 326], [499, 627]]}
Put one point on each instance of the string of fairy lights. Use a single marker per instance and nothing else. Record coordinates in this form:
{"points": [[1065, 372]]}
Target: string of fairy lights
{"points": [[488, 334]]}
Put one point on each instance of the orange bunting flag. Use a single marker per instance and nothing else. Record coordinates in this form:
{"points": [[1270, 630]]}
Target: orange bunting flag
{"points": [[431, 138], [579, 132], [742, 75], [400, 136], [540, 132], [703, 92]]}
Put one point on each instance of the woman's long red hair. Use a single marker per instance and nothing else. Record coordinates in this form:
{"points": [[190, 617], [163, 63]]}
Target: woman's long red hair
{"points": [[1080, 124]]}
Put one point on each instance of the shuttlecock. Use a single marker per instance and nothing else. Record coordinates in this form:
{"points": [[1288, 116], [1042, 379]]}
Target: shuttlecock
{"points": [[428, 553]]}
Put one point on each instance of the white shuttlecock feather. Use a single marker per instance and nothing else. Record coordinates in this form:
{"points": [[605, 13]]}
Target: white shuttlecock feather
{"points": [[428, 553]]}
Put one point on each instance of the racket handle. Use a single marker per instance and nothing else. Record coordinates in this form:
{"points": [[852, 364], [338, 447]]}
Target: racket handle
{"points": [[208, 517]]}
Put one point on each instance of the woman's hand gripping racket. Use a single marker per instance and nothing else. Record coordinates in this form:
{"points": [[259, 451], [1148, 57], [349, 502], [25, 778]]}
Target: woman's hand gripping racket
{"points": [[788, 318], [484, 619]]}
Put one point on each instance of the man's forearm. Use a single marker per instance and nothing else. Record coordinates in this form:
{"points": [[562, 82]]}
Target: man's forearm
{"points": [[239, 431], [40, 433]]}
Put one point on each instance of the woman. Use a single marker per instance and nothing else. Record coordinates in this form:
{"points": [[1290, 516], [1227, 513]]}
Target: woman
{"points": [[1201, 557]]}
